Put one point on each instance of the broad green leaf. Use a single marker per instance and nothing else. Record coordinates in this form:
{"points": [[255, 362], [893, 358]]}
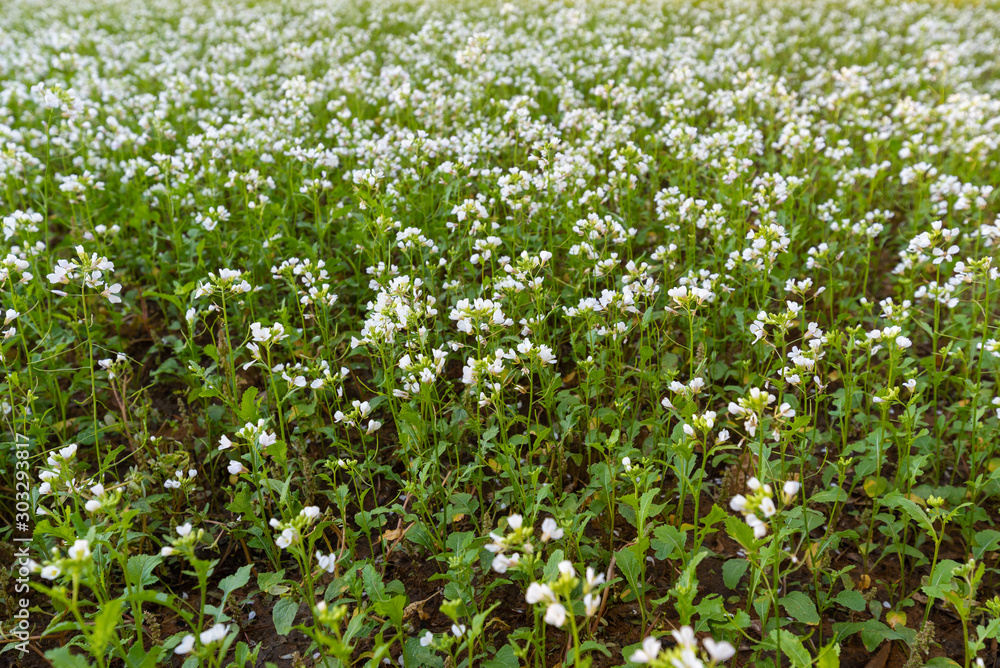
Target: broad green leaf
{"points": [[942, 662], [790, 646], [233, 582], [505, 658], [829, 656], [852, 600], [283, 615], [105, 625], [984, 542], [800, 607], [64, 658], [139, 658], [740, 531], [270, 583], [669, 541], [248, 405], [733, 570], [140, 569]]}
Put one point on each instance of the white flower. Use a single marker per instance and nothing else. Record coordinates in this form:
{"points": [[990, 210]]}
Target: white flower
{"points": [[184, 529], [650, 650], [687, 659], [51, 572], [236, 468], [791, 487], [328, 562], [719, 651], [458, 630], [903, 342], [502, 562], [515, 521], [92, 506], [685, 637], [738, 503], [555, 615], [80, 550], [214, 634], [186, 645], [767, 506], [539, 592], [426, 639], [550, 530], [286, 538], [310, 512]]}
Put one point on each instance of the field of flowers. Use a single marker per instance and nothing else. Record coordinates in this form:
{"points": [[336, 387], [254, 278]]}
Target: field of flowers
{"points": [[494, 334]]}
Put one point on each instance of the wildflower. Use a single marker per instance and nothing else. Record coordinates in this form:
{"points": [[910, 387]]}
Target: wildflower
{"points": [[80, 550], [550, 530], [719, 651], [555, 615], [186, 645], [328, 562], [214, 634], [685, 637], [649, 652]]}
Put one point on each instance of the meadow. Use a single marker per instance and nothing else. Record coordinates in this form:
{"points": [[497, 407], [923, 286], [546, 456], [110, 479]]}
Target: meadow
{"points": [[454, 334]]}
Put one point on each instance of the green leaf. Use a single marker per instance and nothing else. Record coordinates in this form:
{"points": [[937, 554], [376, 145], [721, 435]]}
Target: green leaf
{"points": [[985, 541], [138, 657], [800, 607], [594, 645], [875, 487], [874, 633], [270, 583], [852, 600], [829, 656], [140, 569], [740, 531], [415, 654], [283, 615], [248, 405], [942, 662], [791, 646], [733, 570], [630, 567], [505, 658], [233, 582], [64, 658], [393, 609], [940, 582], [373, 584], [105, 626], [669, 541]]}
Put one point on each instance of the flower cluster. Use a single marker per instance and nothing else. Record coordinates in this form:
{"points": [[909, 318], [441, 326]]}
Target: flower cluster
{"points": [[685, 653]]}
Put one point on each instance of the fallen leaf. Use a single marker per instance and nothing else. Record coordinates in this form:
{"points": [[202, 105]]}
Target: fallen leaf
{"points": [[878, 661], [393, 534]]}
